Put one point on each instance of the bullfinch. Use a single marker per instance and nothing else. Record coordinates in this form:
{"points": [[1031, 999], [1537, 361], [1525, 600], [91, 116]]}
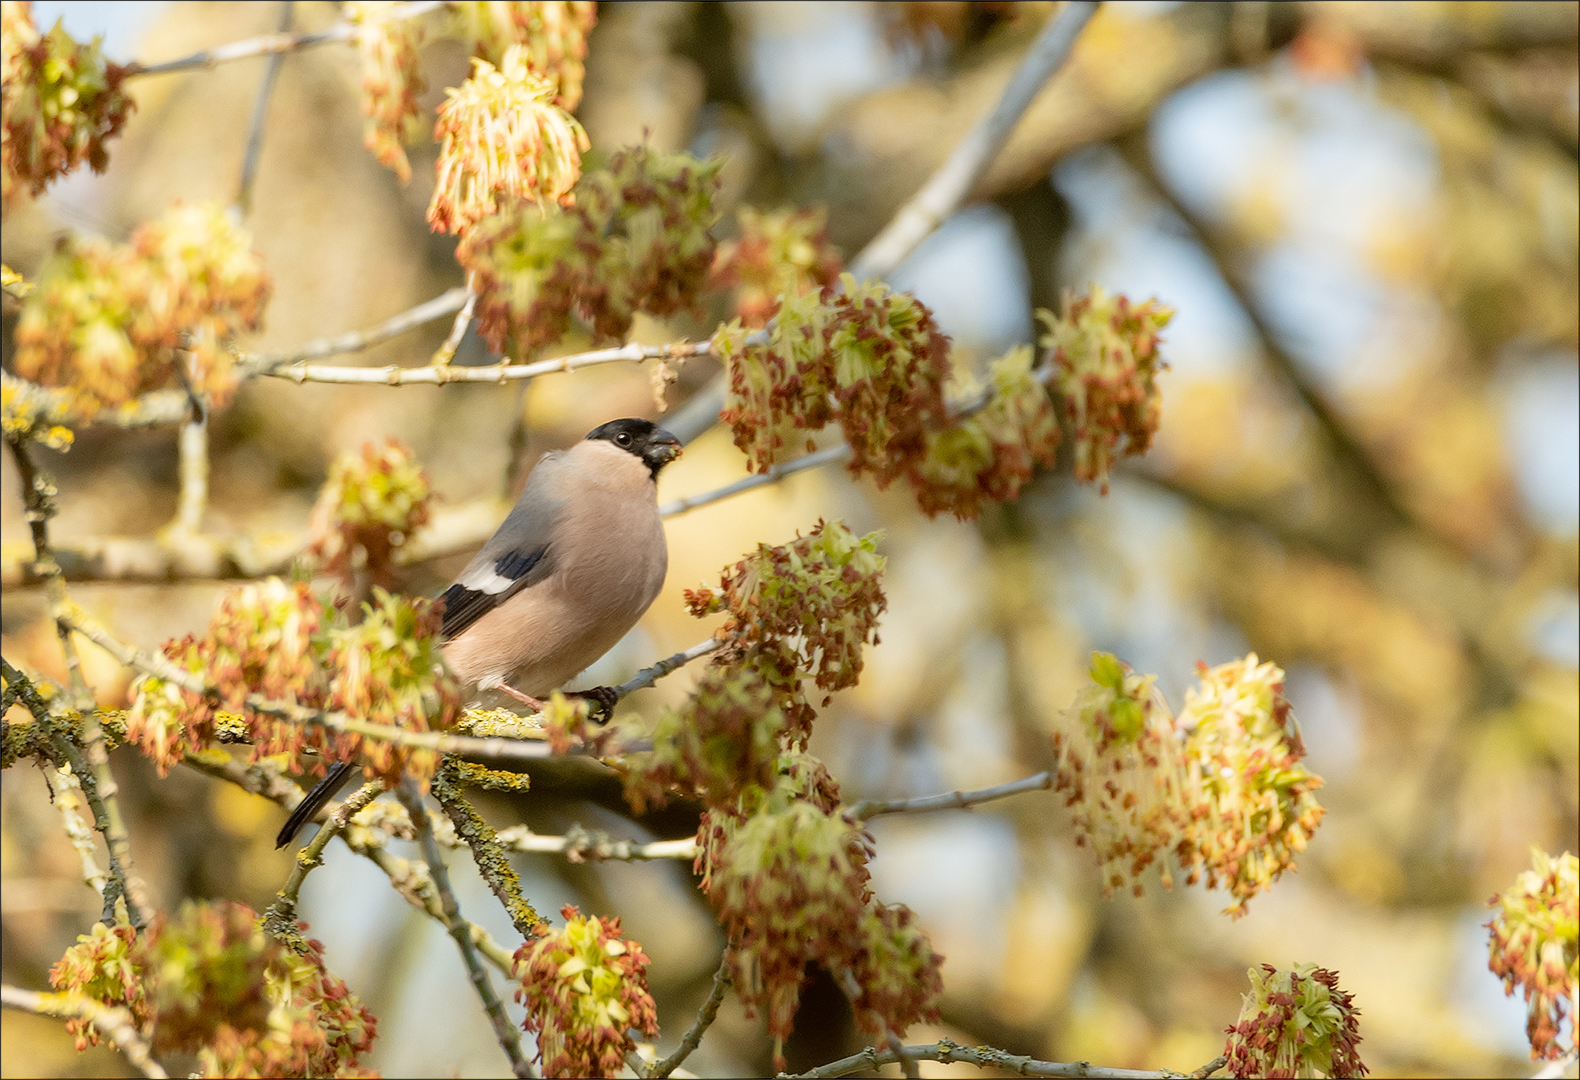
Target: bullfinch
{"points": [[570, 571]]}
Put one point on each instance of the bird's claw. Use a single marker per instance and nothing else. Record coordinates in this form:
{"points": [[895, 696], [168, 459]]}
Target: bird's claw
{"points": [[603, 700]]}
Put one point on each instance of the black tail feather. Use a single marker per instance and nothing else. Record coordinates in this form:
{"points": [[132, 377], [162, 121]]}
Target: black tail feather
{"points": [[316, 800]]}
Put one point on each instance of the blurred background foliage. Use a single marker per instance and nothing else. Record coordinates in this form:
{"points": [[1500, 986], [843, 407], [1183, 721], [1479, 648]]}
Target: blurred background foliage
{"points": [[1366, 217]]}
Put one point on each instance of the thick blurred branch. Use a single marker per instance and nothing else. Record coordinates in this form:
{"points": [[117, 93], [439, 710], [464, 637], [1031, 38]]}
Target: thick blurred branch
{"points": [[987, 1057], [1231, 263], [947, 188], [114, 1024], [270, 44]]}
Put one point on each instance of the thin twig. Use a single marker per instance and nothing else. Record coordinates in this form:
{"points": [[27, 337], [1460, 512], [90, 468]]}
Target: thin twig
{"points": [[705, 1017], [440, 375], [260, 110], [947, 188], [953, 800], [280, 919], [460, 930], [650, 675], [268, 44], [448, 302], [463, 319], [676, 507], [113, 1023], [988, 1057], [581, 844]]}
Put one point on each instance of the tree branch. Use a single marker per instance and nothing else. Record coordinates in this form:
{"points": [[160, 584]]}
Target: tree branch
{"points": [[271, 44], [250, 365], [443, 374], [947, 188], [280, 919], [987, 1057], [260, 110], [1346, 447], [650, 675], [705, 1017], [38, 498], [114, 1024], [263, 778], [487, 852], [954, 800], [460, 930], [581, 844]]}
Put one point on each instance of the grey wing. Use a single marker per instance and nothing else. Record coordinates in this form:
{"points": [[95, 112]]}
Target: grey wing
{"points": [[517, 556]]}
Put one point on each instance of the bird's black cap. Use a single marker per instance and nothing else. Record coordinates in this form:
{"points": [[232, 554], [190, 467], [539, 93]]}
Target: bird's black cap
{"points": [[655, 446]]}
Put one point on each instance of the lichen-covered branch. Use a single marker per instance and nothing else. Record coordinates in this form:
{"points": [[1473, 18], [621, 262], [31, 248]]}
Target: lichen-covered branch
{"points": [[38, 495], [460, 929], [280, 919], [113, 1023], [490, 856]]}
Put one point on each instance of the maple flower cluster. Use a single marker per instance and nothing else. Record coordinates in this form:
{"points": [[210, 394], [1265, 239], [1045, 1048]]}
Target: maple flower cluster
{"points": [[989, 454], [636, 239], [210, 982], [111, 321], [60, 102], [552, 36], [806, 607], [585, 990], [875, 362], [1535, 944], [554, 33], [280, 641], [503, 140], [783, 867], [785, 252], [1105, 355], [869, 358], [371, 504], [1295, 1023], [391, 80], [1219, 788], [787, 875]]}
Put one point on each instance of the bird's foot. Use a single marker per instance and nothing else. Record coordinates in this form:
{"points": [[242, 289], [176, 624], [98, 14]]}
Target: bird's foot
{"points": [[603, 700]]}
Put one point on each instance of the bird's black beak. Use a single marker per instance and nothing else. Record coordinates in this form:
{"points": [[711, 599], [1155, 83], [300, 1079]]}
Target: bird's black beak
{"points": [[662, 448]]}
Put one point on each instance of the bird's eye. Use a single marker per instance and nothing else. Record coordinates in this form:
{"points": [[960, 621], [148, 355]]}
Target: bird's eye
{"points": [[624, 438]]}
